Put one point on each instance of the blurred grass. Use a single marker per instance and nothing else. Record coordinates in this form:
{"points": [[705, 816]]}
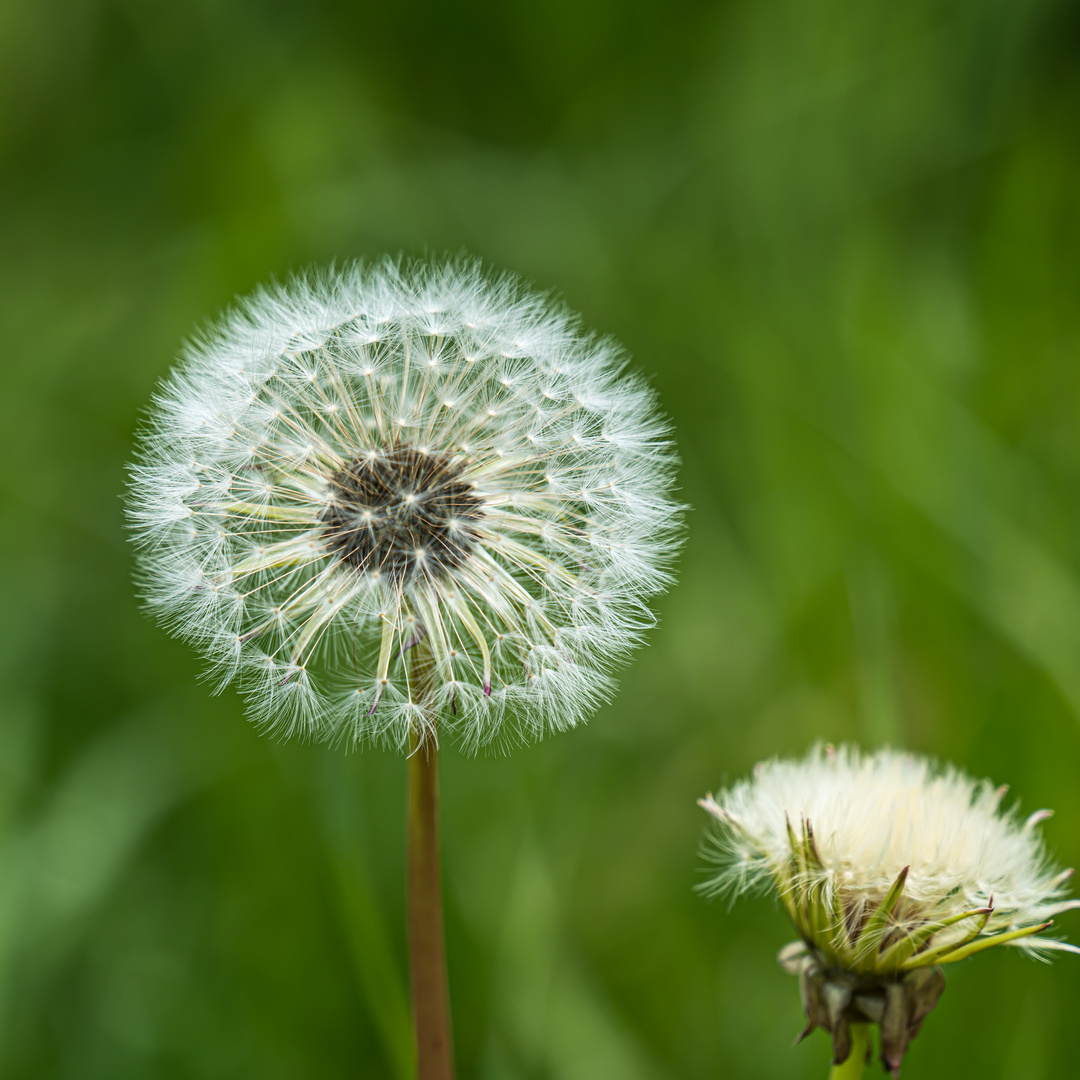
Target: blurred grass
{"points": [[842, 239]]}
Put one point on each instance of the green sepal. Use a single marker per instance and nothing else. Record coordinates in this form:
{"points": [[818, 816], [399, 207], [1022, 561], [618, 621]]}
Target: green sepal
{"points": [[819, 913], [910, 945], [842, 944], [962, 952], [813, 856], [874, 927], [798, 909], [796, 847]]}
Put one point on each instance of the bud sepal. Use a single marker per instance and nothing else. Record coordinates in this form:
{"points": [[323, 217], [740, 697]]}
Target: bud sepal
{"points": [[834, 999]]}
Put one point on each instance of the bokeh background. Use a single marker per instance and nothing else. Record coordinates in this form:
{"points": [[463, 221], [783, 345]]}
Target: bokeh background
{"points": [[843, 239]]}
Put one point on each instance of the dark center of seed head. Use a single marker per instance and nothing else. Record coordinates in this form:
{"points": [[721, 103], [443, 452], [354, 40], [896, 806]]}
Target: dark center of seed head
{"points": [[402, 512]]}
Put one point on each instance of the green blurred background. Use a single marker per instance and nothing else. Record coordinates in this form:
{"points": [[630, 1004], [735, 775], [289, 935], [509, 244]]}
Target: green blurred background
{"points": [[842, 238]]}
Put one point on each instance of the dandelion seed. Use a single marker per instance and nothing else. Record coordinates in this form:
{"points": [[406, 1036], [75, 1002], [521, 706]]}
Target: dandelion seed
{"points": [[358, 461], [889, 867]]}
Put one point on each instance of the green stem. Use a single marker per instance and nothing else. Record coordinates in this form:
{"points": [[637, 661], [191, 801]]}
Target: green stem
{"points": [[427, 948], [852, 1069]]}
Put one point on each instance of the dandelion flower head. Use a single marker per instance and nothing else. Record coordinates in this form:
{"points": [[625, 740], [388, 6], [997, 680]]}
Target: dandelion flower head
{"points": [[888, 866], [368, 466]]}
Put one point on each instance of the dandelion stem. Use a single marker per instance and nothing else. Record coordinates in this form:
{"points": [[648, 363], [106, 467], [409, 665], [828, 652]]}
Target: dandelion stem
{"points": [[852, 1069], [427, 948]]}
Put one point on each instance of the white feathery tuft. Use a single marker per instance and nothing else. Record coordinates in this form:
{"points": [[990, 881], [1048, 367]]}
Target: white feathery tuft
{"points": [[386, 455], [868, 816]]}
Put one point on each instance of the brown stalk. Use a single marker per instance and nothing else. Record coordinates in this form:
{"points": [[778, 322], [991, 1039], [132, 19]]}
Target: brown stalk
{"points": [[427, 947]]}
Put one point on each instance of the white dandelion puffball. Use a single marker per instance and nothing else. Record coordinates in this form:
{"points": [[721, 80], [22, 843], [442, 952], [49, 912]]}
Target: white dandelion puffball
{"points": [[388, 497], [888, 866]]}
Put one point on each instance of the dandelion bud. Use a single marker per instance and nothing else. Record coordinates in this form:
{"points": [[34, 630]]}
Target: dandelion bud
{"points": [[889, 868], [384, 459]]}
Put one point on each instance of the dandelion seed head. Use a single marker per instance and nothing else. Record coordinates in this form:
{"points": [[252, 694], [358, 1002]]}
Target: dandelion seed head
{"points": [[386, 459]]}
